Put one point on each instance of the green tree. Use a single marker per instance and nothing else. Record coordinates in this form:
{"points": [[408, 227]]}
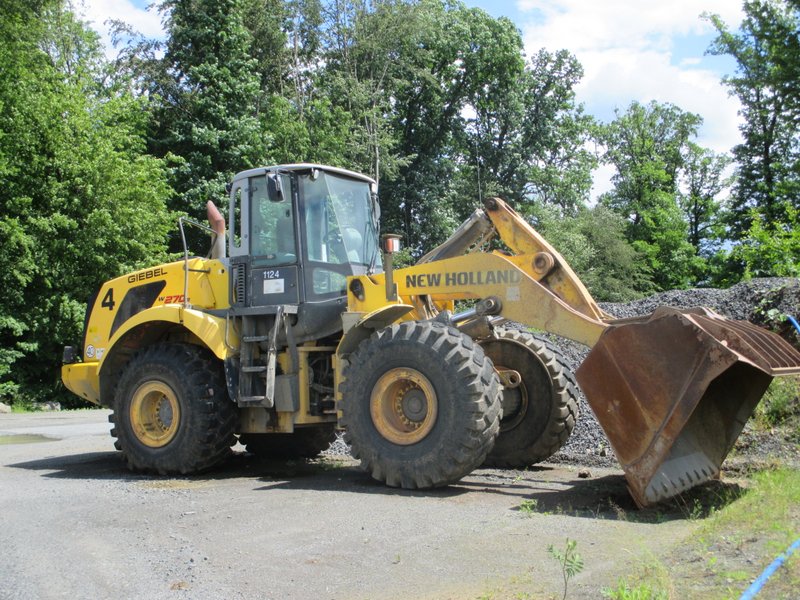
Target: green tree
{"points": [[646, 145], [81, 202], [268, 22], [593, 242], [206, 118], [770, 249], [397, 69], [705, 180], [766, 48], [766, 196], [529, 136], [367, 53]]}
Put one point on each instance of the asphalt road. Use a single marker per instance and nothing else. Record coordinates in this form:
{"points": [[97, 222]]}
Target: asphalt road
{"points": [[74, 523]]}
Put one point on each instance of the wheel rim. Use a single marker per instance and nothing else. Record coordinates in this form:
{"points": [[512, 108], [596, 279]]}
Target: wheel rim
{"points": [[155, 414], [403, 406]]}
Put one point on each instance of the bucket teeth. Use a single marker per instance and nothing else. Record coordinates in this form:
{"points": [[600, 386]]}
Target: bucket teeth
{"points": [[676, 476]]}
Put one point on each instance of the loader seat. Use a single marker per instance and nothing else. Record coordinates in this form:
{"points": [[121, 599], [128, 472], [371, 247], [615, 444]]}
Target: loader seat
{"points": [[353, 243]]}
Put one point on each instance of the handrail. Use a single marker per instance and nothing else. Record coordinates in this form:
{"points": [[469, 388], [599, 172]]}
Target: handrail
{"points": [[205, 228]]}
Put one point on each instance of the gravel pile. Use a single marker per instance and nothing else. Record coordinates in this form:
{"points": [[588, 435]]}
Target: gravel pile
{"points": [[338, 448], [751, 301]]}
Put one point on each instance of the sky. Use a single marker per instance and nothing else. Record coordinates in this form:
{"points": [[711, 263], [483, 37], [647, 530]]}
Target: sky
{"points": [[630, 50]]}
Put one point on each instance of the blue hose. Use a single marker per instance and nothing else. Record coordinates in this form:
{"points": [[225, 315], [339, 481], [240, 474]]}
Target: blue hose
{"points": [[794, 322], [756, 586]]}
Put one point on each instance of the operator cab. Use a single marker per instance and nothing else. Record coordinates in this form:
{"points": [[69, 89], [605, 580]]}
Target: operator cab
{"points": [[296, 233]]}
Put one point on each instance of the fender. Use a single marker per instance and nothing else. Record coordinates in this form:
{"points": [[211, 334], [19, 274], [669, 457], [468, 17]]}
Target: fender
{"points": [[84, 379], [208, 328], [367, 323]]}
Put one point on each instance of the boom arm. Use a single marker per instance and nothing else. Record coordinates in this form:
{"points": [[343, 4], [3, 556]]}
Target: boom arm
{"points": [[535, 286]]}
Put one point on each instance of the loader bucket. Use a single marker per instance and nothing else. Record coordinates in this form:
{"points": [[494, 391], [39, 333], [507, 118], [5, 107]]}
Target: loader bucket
{"points": [[673, 391]]}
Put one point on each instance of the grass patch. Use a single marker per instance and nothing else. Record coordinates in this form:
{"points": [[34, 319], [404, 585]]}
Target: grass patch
{"points": [[650, 581], [642, 591], [528, 507], [735, 539], [770, 506], [736, 543], [22, 406], [780, 404]]}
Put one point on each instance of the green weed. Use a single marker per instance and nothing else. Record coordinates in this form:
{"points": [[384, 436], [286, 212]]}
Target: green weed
{"points": [[780, 403], [643, 591], [570, 561], [528, 507]]}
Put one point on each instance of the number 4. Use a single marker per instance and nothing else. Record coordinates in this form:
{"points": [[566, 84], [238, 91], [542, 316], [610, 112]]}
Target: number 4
{"points": [[108, 300]]}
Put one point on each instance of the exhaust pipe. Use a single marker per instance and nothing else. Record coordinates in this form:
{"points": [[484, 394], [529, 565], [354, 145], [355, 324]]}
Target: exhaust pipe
{"points": [[217, 223]]}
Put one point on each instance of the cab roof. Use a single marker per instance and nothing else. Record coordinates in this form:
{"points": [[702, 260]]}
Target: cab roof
{"points": [[302, 167]]}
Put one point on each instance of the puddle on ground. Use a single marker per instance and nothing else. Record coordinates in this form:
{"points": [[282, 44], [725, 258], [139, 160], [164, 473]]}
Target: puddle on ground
{"points": [[24, 438]]}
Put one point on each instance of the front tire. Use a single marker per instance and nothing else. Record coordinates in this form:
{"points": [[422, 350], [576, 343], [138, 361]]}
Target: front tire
{"points": [[540, 414], [172, 413], [421, 405]]}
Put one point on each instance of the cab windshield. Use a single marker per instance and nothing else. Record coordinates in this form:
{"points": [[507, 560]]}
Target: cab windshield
{"points": [[340, 224]]}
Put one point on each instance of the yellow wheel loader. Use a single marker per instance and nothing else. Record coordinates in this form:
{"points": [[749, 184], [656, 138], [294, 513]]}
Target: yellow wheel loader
{"points": [[298, 324]]}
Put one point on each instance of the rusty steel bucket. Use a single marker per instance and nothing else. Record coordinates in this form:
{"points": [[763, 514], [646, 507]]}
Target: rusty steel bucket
{"points": [[673, 391]]}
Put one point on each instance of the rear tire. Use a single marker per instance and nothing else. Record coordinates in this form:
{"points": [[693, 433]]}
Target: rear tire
{"points": [[308, 442], [539, 415], [172, 412], [421, 405]]}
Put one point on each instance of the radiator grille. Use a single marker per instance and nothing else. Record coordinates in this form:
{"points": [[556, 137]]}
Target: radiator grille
{"points": [[239, 285]]}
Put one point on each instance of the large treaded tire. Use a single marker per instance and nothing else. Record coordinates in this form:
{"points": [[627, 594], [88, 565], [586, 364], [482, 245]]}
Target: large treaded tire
{"points": [[198, 428], [463, 404], [540, 415], [307, 442]]}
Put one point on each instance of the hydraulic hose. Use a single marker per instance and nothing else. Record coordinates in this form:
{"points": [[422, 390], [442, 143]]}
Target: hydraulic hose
{"points": [[756, 586]]}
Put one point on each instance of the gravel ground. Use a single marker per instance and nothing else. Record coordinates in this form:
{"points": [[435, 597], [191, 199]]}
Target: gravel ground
{"points": [[752, 301], [76, 524]]}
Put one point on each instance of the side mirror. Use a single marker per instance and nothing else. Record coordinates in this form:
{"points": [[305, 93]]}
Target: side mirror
{"points": [[274, 188]]}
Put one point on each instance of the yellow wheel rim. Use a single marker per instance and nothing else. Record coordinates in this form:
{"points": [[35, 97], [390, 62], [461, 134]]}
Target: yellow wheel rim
{"points": [[155, 414], [403, 406]]}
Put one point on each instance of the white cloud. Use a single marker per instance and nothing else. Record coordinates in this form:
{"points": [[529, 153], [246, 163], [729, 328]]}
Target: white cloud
{"points": [[634, 50], [628, 51], [146, 21], [589, 24]]}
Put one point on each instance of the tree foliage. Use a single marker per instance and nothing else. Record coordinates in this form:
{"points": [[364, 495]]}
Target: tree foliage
{"points": [[594, 244], [437, 101], [766, 48], [646, 144], [82, 202], [705, 179], [206, 107]]}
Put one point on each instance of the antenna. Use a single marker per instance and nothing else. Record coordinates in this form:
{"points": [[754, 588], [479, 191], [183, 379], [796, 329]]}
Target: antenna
{"points": [[478, 164]]}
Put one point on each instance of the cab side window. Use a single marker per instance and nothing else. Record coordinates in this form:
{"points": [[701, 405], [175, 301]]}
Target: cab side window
{"points": [[272, 223]]}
